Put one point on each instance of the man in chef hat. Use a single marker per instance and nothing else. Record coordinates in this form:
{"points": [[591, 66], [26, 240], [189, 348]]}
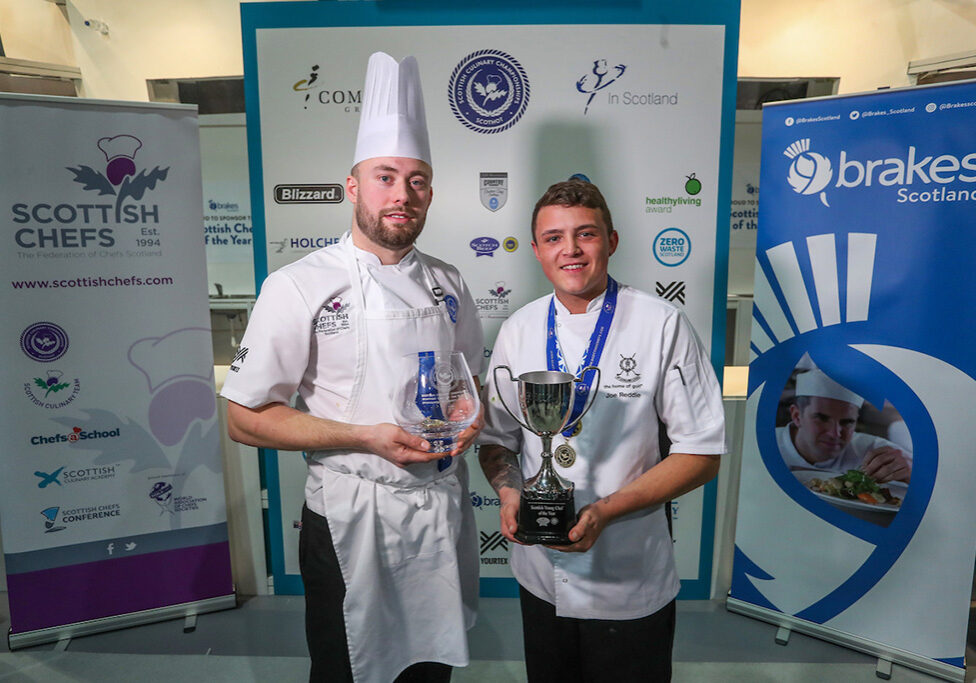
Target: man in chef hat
{"points": [[388, 546], [821, 433]]}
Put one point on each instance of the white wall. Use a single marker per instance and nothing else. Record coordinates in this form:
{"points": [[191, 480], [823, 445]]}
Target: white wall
{"points": [[37, 31], [867, 43]]}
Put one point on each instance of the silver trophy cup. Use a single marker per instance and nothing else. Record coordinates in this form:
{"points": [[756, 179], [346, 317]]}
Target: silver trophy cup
{"points": [[547, 510]]}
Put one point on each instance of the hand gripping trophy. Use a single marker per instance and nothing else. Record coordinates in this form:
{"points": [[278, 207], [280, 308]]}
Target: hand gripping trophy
{"points": [[547, 510]]}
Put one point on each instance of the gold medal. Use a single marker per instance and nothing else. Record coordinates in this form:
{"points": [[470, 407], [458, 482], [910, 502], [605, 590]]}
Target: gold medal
{"points": [[564, 455]]}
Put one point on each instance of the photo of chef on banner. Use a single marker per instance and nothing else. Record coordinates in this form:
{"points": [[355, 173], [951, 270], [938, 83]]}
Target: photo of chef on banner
{"points": [[844, 449]]}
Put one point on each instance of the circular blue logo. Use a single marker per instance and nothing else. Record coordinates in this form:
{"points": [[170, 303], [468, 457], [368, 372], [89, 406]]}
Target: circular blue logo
{"points": [[44, 342], [488, 91], [672, 247]]}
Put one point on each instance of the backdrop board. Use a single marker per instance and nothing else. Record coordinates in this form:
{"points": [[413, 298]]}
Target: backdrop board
{"points": [[111, 493], [637, 97], [865, 233]]}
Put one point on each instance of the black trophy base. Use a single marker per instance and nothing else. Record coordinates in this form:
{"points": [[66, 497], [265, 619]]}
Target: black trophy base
{"points": [[545, 521]]}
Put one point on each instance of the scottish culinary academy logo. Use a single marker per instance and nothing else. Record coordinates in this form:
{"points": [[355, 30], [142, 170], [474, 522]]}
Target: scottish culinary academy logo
{"points": [[488, 91]]}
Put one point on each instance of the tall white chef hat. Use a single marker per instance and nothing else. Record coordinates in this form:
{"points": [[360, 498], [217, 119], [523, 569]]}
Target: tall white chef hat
{"points": [[816, 383], [392, 123]]}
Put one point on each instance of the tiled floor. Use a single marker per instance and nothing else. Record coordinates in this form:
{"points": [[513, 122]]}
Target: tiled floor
{"points": [[263, 640]]}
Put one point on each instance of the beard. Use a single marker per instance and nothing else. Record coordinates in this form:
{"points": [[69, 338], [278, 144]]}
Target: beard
{"points": [[388, 237]]}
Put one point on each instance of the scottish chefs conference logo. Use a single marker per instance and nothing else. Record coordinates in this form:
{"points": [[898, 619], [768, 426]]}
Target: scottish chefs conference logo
{"points": [[76, 226], [917, 176], [488, 91]]}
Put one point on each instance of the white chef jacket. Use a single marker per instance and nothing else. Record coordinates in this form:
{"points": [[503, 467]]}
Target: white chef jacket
{"points": [[300, 336], [653, 366], [850, 458]]}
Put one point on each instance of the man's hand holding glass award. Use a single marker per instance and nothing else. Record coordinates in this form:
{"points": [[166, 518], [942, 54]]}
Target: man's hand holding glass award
{"points": [[436, 399], [547, 510]]}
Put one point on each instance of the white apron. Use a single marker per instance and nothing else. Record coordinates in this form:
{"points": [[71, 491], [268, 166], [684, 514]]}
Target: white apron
{"points": [[405, 537]]}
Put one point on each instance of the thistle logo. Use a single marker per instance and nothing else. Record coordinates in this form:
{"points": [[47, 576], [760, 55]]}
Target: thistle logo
{"points": [[599, 78], [810, 172], [120, 177]]}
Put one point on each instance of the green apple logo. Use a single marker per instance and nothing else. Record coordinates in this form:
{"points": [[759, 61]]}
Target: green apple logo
{"points": [[693, 186]]}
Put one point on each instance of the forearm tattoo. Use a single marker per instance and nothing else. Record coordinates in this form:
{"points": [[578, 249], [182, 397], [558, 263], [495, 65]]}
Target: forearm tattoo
{"points": [[501, 467]]}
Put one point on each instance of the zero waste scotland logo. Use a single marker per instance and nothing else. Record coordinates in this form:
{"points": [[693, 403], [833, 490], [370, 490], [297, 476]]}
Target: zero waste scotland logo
{"points": [[672, 247]]}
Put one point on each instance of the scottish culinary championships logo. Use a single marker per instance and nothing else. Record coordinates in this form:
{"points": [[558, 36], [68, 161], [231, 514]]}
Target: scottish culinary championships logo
{"points": [[488, 91]]}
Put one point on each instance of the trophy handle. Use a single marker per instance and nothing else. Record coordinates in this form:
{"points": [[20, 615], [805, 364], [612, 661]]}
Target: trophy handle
{"points": [[590, 398], [501, 398]]}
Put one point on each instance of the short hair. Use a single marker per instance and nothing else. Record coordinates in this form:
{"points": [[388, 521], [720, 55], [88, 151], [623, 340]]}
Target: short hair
{"points": [[573, 192]]}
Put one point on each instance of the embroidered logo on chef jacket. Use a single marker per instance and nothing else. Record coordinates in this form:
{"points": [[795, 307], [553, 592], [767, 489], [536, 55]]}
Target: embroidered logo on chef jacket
{"points": [[333, 318], [628, 369]]}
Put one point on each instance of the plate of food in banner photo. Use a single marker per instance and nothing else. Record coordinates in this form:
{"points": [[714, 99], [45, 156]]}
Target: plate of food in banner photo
{"points": [[854, 490]]}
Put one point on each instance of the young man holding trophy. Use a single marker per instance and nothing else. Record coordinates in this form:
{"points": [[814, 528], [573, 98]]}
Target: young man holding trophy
{"points": [[592, 551], [388, 548]]}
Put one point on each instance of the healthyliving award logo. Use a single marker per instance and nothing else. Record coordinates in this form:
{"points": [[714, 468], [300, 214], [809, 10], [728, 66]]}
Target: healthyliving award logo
{"points": [[488, 91], [599, 78], [809, 172]]}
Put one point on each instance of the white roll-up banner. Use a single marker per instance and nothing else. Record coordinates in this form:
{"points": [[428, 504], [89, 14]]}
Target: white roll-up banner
{"points": [[864, 270], [111, 491], [638, 98]]}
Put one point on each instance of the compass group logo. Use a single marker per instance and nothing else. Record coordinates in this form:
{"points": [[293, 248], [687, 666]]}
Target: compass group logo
{"points": [[314, 92], [809, 172], [488, 91]]}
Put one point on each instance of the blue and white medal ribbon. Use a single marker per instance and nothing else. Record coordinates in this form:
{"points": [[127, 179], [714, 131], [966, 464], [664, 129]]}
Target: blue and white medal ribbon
{"points": [[598, 338]]}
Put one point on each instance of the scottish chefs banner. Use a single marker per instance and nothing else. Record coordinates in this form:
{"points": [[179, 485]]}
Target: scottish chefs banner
{"points": [[633, 99], [856, 505], [111, 493]]}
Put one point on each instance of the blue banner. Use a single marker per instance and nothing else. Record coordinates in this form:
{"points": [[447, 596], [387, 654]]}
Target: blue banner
{"points": [[856, 469]]}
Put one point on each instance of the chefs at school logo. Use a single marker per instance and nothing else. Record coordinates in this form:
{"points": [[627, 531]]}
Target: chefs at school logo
{"points": [[75, 435], [313, 92], [488, 91], [599, 77], [53, 390]]}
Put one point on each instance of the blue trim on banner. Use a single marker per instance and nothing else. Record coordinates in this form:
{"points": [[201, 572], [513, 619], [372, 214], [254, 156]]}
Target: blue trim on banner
{"points": [[499, 587], [954, 661], [270, 15]]}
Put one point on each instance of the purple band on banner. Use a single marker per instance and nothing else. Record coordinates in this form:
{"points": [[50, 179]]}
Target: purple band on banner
{"points": [[66, 595]]}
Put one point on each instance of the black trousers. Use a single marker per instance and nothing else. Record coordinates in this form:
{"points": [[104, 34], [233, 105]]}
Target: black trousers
{"points": [[325, 627], [568, 650]]}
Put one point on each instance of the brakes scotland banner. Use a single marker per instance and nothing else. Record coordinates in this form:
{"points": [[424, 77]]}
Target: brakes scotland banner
{"points": [[111, 490], [639, 100], [856, 504]]}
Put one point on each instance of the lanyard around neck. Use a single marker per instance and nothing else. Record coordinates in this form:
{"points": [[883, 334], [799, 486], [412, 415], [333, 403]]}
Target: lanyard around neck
{"points": [[594, 350]]}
